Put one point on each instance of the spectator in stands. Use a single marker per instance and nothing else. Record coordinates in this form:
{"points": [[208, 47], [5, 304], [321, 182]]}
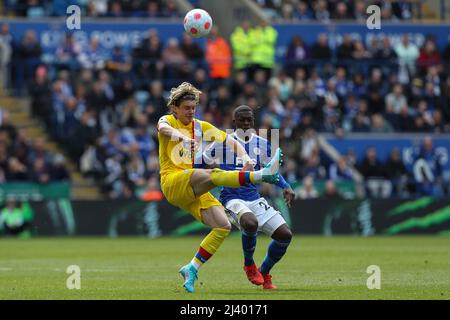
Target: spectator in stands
{"points": [[373, 172], [170, 9], [130, 113], [376, 90], [432, 95], [313, 167], [359, 12], [192, 50], [402, 9], [41, 93], [341, 12], [321, 50], [340, 170], [343, 86], [396, 100], [379, 124], [308, 191], [429, 57], [283, 83], [97, 8], [346, 48], [92, 57], [407, 54], [39, 151], [67, 53], [427, 169], [296, 55], [321, 11], [303, 12], [143, 139], [21, 146], [241, 45], [135, 171], [84, 135], [152, 10], [35, 9], [40, 172], [16, 171], [16, 218], [156, 103], [361, 121], [359, 51], [218, 57], [147, 63], [177, 66], [6, 50], [403, 122], [115, 10], [287, 12], [58, 170], [119, 64], [397, 173], [7, 127], [437, 123], [263, 39], [331, 112], [386, 52], [28, 58], [331, 192], [358, 85]]}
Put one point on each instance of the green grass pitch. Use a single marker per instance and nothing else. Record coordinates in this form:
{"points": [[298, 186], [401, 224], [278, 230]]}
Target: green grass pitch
{"points": [[414, 267]]}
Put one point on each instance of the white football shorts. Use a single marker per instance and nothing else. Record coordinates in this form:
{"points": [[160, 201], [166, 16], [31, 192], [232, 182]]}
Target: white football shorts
{"points": [[268, 218]]}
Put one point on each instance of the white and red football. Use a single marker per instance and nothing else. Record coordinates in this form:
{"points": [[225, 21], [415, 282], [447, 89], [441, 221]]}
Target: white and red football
{"points": [[198, 23]]}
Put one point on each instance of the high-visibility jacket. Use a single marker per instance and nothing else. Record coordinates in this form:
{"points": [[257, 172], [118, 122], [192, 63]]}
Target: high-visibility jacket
{"points": [[241, 44], [218, 56], [263, 41]]}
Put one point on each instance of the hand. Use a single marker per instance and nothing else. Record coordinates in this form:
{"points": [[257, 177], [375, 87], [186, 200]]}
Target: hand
{"points": [[248, 166], [288, 195], [248, 163]]}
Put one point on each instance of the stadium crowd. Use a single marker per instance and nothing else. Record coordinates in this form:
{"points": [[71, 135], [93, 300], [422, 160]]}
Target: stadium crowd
{"points": [[337, 10], [103, 106], [93, 8], [22, 160]]}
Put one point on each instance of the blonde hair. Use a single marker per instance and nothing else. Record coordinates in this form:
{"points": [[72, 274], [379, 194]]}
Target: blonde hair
{"points": [[182, 90]]}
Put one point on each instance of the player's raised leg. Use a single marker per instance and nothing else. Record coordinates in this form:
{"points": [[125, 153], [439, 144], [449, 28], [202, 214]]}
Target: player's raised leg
{"points": [[203, 180], [216, 218]]}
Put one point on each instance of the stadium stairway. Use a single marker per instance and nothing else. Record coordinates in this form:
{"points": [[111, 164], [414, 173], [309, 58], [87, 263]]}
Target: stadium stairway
{"points": [[19, 110]]}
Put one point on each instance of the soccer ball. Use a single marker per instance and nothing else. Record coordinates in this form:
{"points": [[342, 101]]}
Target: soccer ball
{"points": [[197, 23]]}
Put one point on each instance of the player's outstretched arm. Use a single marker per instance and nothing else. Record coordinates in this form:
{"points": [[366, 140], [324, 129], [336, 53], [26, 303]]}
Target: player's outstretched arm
{"points": [[166, 129]]}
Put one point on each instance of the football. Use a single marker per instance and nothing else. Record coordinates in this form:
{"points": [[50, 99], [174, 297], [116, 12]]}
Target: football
{"points": [[197, 23]]}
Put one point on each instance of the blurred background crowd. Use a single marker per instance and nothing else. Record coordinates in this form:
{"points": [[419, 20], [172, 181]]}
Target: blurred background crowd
{"points": [[101, 105]]}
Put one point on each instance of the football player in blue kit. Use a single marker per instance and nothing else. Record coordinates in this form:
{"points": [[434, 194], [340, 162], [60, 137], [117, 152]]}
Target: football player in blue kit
{"points": [[245, 207]]}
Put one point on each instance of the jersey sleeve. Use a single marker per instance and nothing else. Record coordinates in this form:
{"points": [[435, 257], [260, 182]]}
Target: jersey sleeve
{"points": [[164, 119], [211, 133]]}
